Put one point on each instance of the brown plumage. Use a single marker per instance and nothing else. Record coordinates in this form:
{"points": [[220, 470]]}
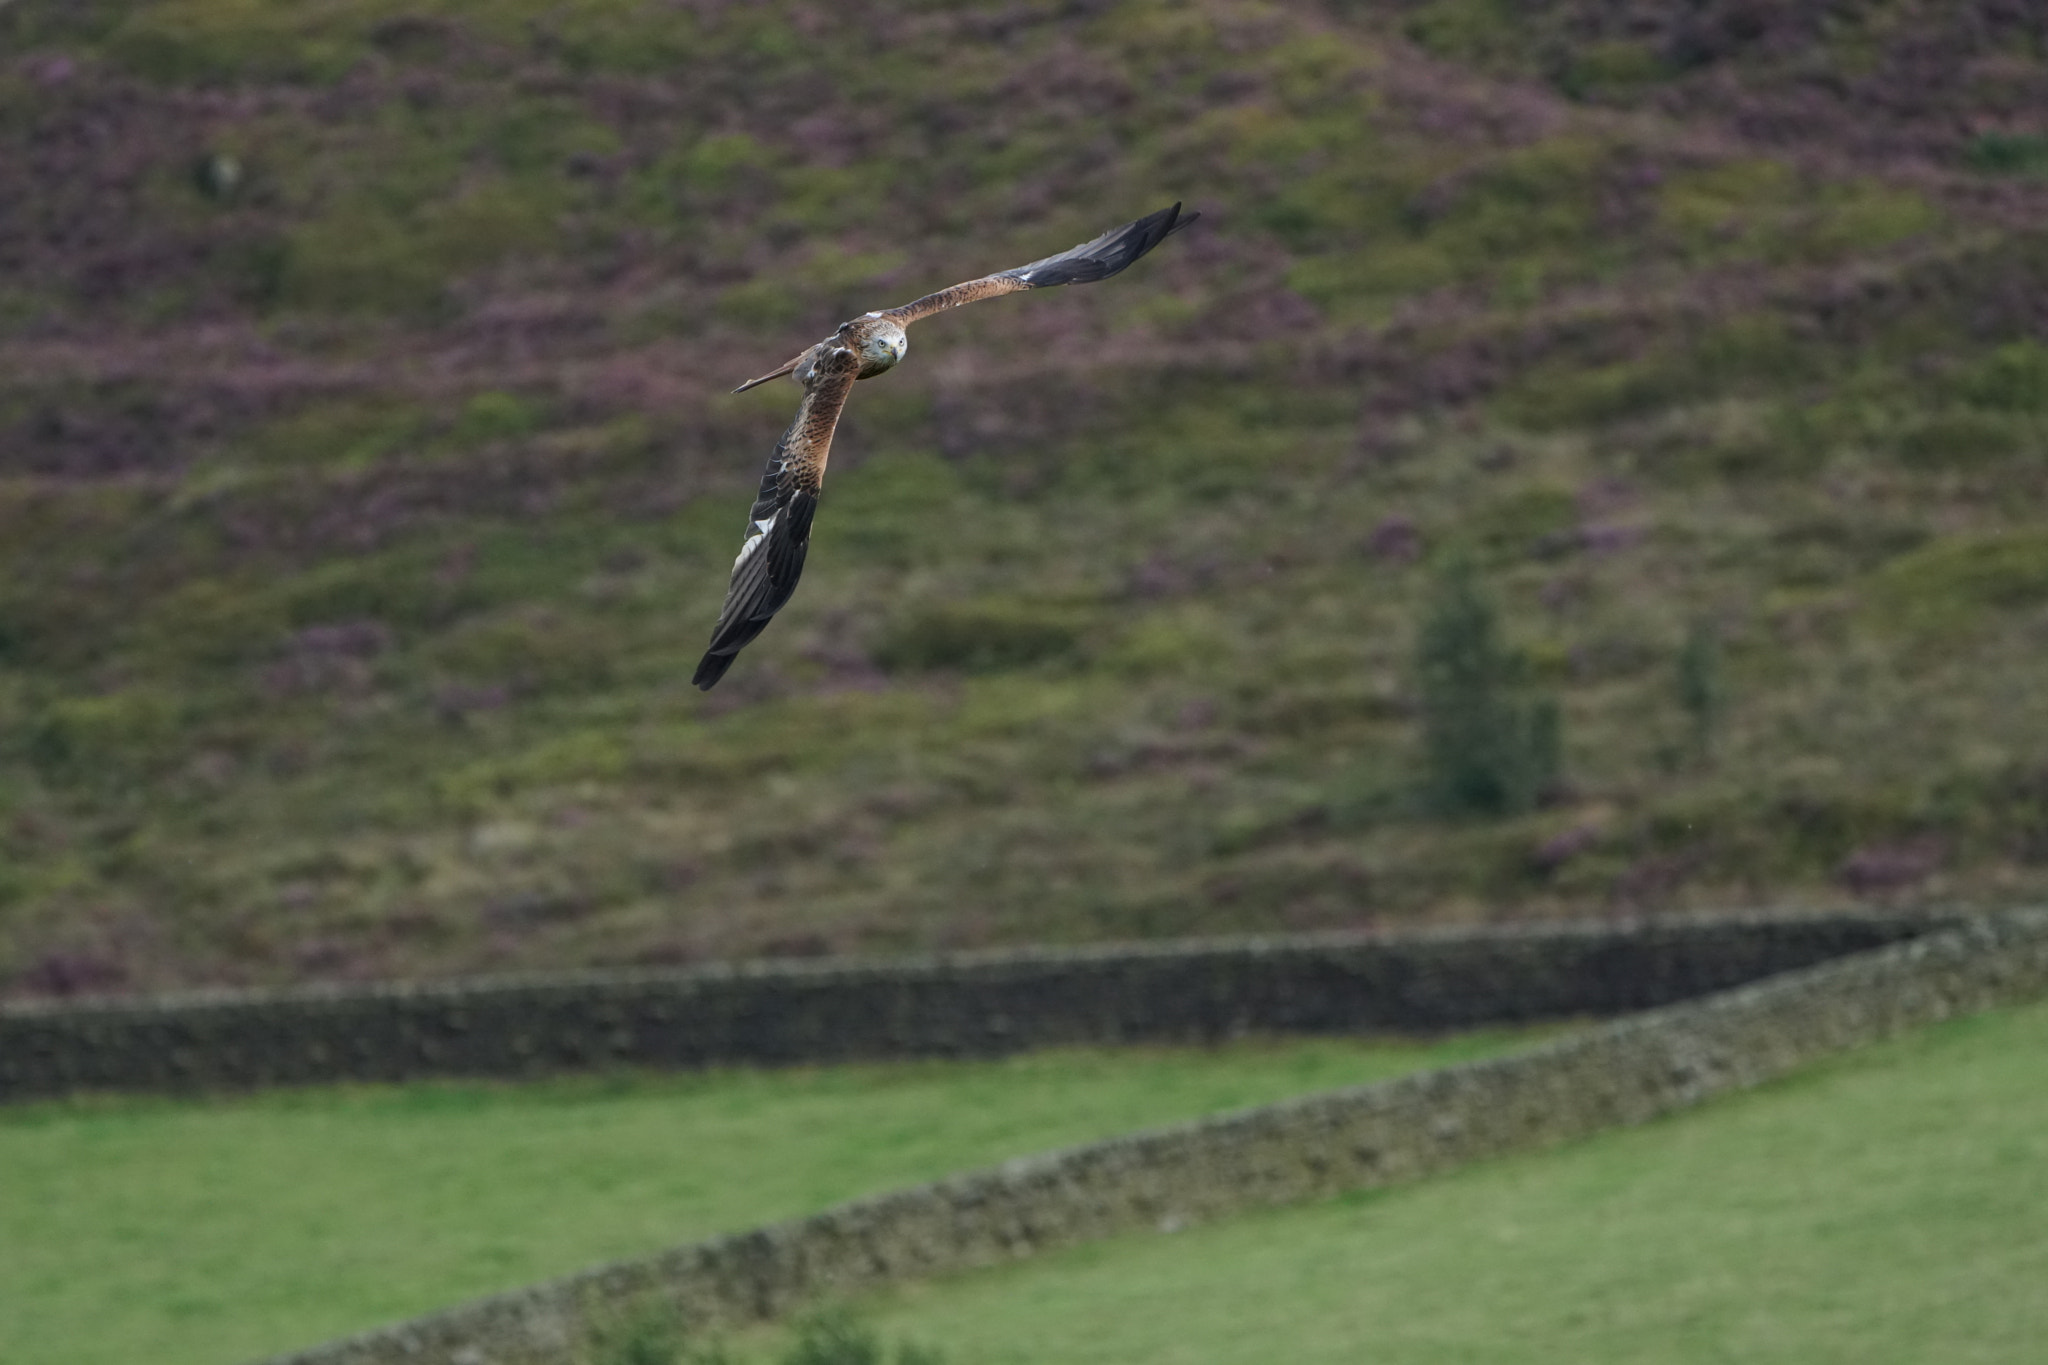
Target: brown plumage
{"points": [[779, 527]]}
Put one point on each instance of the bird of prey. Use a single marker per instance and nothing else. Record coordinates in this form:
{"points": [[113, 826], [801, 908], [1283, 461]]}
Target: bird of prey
{"points": [[779, 526]]}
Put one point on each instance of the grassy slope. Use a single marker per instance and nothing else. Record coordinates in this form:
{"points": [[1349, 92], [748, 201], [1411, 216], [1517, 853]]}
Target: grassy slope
{"points": [[211, 1232], [361, 519], [1890, 1207]]}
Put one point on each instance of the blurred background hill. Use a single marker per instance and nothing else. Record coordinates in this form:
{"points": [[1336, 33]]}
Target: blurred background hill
{"points": [[368, 480]]}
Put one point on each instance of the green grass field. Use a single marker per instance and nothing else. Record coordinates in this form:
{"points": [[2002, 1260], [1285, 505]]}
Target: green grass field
{"points": [[1888, 1207], [206, 1233]]}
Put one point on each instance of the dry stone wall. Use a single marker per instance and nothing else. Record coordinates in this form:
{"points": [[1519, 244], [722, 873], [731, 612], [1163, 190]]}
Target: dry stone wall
{"points": [[1618, 1073], [978, 1004]]}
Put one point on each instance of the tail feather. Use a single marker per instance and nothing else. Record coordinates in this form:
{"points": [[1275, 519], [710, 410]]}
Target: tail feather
{"points": [[773, 374]]}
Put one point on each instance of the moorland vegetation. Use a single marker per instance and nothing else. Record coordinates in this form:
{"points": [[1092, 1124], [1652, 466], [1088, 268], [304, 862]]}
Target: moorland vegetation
{"points": [[368, 482]]}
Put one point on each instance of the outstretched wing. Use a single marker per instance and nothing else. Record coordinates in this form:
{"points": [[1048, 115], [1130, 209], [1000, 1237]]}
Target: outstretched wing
{"points": [[1084, 264], [779, 527]]}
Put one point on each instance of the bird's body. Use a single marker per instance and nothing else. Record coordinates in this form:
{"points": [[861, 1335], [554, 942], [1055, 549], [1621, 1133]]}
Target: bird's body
{"points": [[771, 558]]}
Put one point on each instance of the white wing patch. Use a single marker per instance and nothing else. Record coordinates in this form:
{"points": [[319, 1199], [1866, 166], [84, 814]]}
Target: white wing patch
{"points": [[753, 542]]}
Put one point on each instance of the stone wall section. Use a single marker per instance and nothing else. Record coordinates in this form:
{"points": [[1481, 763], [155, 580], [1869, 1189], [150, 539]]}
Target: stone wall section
{"points": [[1624, 1072], [980, 1004]]}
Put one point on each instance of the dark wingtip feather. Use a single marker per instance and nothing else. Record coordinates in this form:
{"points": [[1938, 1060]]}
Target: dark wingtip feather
{"points": [[1106, 255], [711, 669]]}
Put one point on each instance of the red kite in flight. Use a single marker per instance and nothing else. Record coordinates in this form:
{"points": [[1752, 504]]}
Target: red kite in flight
{"points": [[779, 528]]}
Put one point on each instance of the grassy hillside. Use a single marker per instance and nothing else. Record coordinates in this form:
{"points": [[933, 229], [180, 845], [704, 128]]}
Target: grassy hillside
{"points": [[368, 482], [1890, 1207], [211, 1232]]}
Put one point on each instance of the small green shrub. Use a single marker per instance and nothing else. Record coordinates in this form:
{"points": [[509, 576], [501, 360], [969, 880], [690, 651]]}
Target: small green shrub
{"points": [[1361, 284], [1764, 209], [1556, 397], [834, 1337], [1613, 68], [654, 1334], [1753, 346], [1167, 643], [1523, 520], [1488, 747], [81, 735], [1532, 208], [649, 1334], [349, 433], [2013, 378], [1737, 439], [2008, 154], [187, 41], [388, 587], [766, 301], [1951, 580], [1741, 354], [1856, 216], [362, 256], [1699, 687], [488, 222], [496, 416], [251, 266], [978, 637], [1707, 207], [1470, 30], [716, 165], [532, 649], [358, 262], [1953, 440]]}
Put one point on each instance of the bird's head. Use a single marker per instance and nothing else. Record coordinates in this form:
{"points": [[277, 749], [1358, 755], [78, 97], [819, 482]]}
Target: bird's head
{"points": [[882, 344]]}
